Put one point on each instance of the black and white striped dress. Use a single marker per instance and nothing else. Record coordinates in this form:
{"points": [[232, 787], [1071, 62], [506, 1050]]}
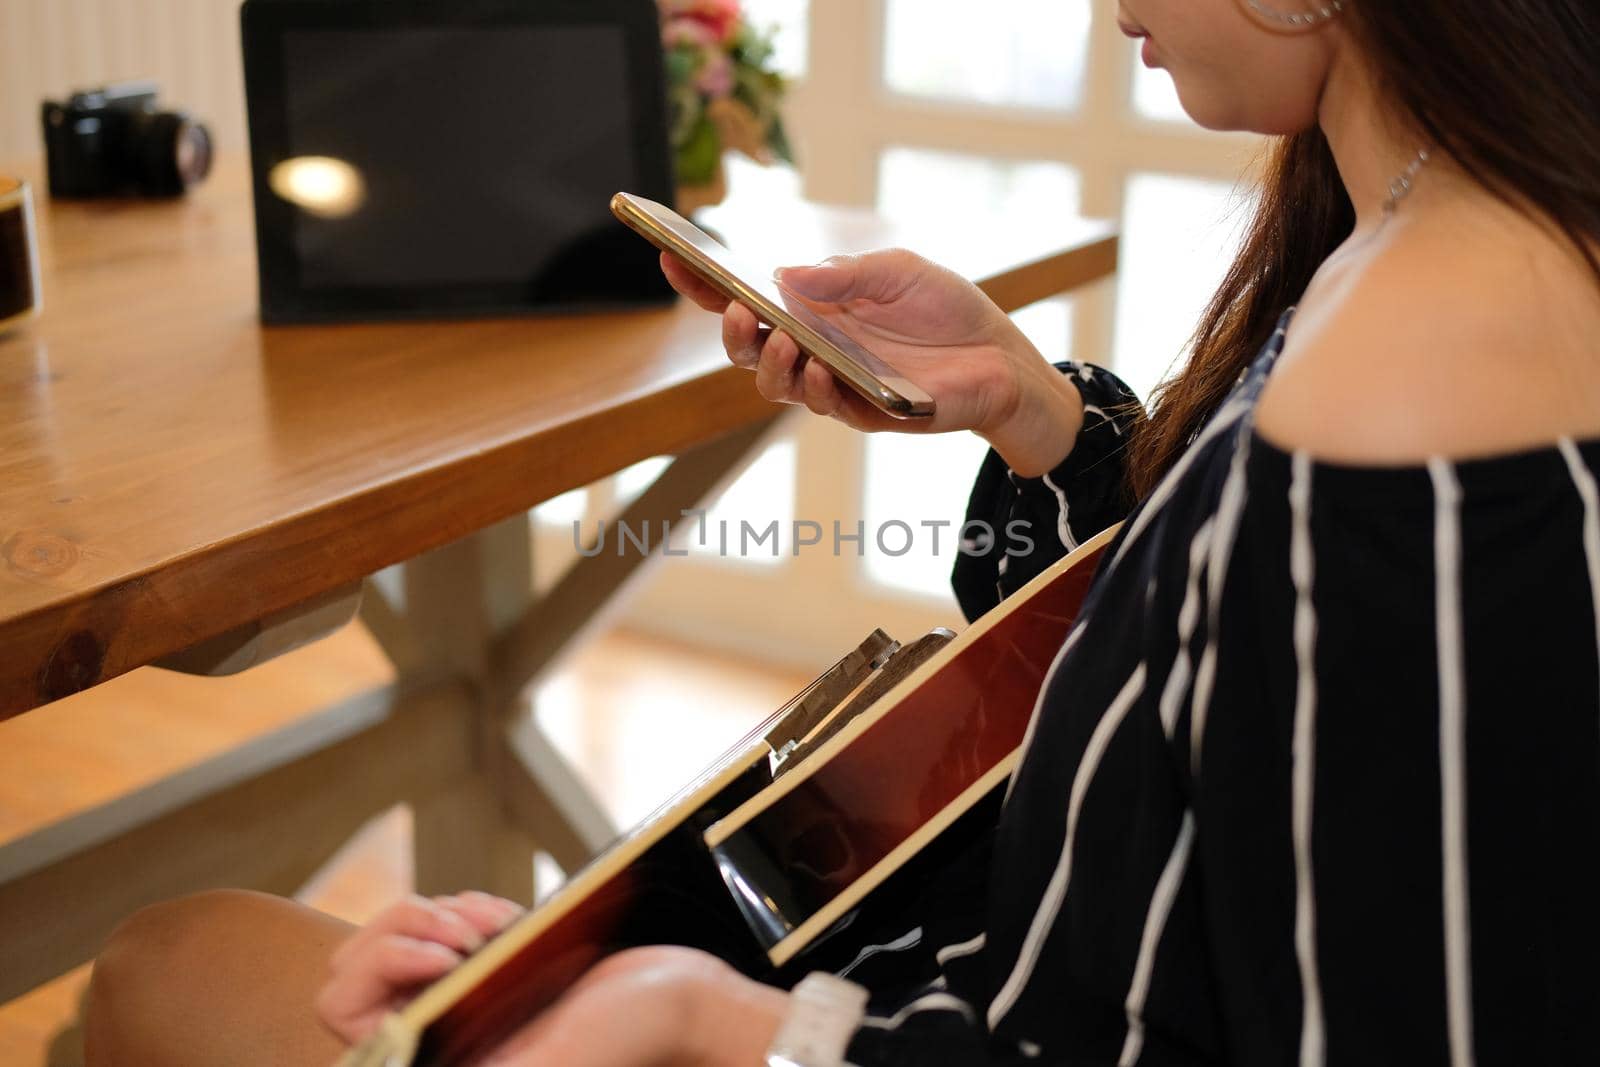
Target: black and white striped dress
{"points": [[1315, 781]]}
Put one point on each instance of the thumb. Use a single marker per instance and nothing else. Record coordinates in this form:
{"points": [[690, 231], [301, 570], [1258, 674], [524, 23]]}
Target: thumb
{"points": [[876, 276]]}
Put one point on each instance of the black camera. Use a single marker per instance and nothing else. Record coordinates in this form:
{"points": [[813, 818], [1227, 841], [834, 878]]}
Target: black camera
{"points": [[112, 141]]}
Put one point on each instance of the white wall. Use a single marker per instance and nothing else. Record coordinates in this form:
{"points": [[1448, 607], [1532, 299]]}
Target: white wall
{"points": [[48, 48]]}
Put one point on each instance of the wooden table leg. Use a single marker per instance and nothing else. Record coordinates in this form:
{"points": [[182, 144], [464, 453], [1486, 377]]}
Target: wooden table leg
{"points": [[468, 612], [463, 839], [456, 599]]}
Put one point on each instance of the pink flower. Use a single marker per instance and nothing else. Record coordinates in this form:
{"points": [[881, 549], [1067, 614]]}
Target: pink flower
{"points": [[687, 31], [716, 76], [720, 17]]}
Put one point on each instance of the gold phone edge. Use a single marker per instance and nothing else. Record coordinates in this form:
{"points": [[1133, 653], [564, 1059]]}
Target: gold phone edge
{"points": [[871, 388]]}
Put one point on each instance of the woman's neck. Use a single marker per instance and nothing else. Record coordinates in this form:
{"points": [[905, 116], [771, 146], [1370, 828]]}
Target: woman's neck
{"points": [[1368, 144]]}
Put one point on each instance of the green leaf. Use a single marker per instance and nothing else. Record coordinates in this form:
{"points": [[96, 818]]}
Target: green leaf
{"points": [[778, 141], [686, 109], [681, 65], [699, 155]]}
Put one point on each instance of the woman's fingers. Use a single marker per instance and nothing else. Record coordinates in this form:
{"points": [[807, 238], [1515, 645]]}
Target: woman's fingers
{"points": [[839, 402], [373, 979], [486, 914], [784, 375], [417, 918], [691, 284], [401, 962], [777, 373], [742, 336], [820, 390], [408, 945]]}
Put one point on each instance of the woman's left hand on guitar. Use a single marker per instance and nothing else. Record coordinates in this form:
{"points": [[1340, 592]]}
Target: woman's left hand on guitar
{"points": [[393, 957], [647, 1007]]}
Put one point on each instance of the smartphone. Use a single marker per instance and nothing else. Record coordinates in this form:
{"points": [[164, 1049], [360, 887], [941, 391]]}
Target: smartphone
{"points": [[882, 386]]}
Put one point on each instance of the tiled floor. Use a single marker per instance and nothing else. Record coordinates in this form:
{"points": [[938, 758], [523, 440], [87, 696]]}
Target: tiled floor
{"points": [[637, 716]]}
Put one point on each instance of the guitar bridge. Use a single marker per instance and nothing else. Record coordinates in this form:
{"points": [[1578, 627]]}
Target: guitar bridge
{"points": [[809, 708], [847, 689]]}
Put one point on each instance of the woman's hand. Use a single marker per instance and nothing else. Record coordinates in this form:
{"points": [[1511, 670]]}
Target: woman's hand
{"points": [[652, 1007], [397, 954], [932, 325], [647, 1007]]}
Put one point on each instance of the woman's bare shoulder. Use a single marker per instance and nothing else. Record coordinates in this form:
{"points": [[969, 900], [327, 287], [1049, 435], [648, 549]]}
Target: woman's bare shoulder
{"points": [[1434, 344]]}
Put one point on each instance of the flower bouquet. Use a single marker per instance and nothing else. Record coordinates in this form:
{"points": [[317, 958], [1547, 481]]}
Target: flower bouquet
{"points": [[722, 93]]}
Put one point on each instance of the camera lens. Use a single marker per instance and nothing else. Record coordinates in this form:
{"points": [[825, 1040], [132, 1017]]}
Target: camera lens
{"points": [[174, 153], [193, 157]]}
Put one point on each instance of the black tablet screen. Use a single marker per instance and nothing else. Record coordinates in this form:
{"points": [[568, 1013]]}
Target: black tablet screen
{"points": [[482, 155]]}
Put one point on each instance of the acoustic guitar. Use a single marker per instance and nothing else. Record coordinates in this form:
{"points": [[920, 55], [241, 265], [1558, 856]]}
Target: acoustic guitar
{"points": [[852, 796]]}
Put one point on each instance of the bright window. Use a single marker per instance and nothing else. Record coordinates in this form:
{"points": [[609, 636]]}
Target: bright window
{"points": [[738, 524], [762, 495], [749, 181], [924, 184], [792, 41], [1008, 53], [1155, 96], [563, 510], [917, 488], [637, 478], [1178, 237]]}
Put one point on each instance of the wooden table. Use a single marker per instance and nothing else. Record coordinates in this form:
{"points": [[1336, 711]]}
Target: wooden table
{"points": [[180, 486]]}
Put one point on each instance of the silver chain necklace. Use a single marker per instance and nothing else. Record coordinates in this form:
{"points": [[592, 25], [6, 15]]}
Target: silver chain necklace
{"points": [[1402, 185]]}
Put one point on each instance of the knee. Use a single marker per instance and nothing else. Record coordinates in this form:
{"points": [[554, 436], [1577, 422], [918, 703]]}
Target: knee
{"points": [[156, 940], [141, 972]]}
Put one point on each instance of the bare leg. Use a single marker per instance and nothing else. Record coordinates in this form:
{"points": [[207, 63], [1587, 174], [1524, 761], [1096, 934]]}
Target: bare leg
{"points": [[220, 979]]}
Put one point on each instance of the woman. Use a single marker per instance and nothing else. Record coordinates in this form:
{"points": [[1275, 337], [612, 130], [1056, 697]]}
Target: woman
{"points": [[1317, 778]]}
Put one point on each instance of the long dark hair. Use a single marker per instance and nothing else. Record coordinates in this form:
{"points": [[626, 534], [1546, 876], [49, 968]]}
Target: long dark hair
{"points": [[1508, 89]]}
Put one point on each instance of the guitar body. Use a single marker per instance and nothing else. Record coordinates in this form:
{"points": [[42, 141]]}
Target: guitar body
{"points": [[758, 862]]}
